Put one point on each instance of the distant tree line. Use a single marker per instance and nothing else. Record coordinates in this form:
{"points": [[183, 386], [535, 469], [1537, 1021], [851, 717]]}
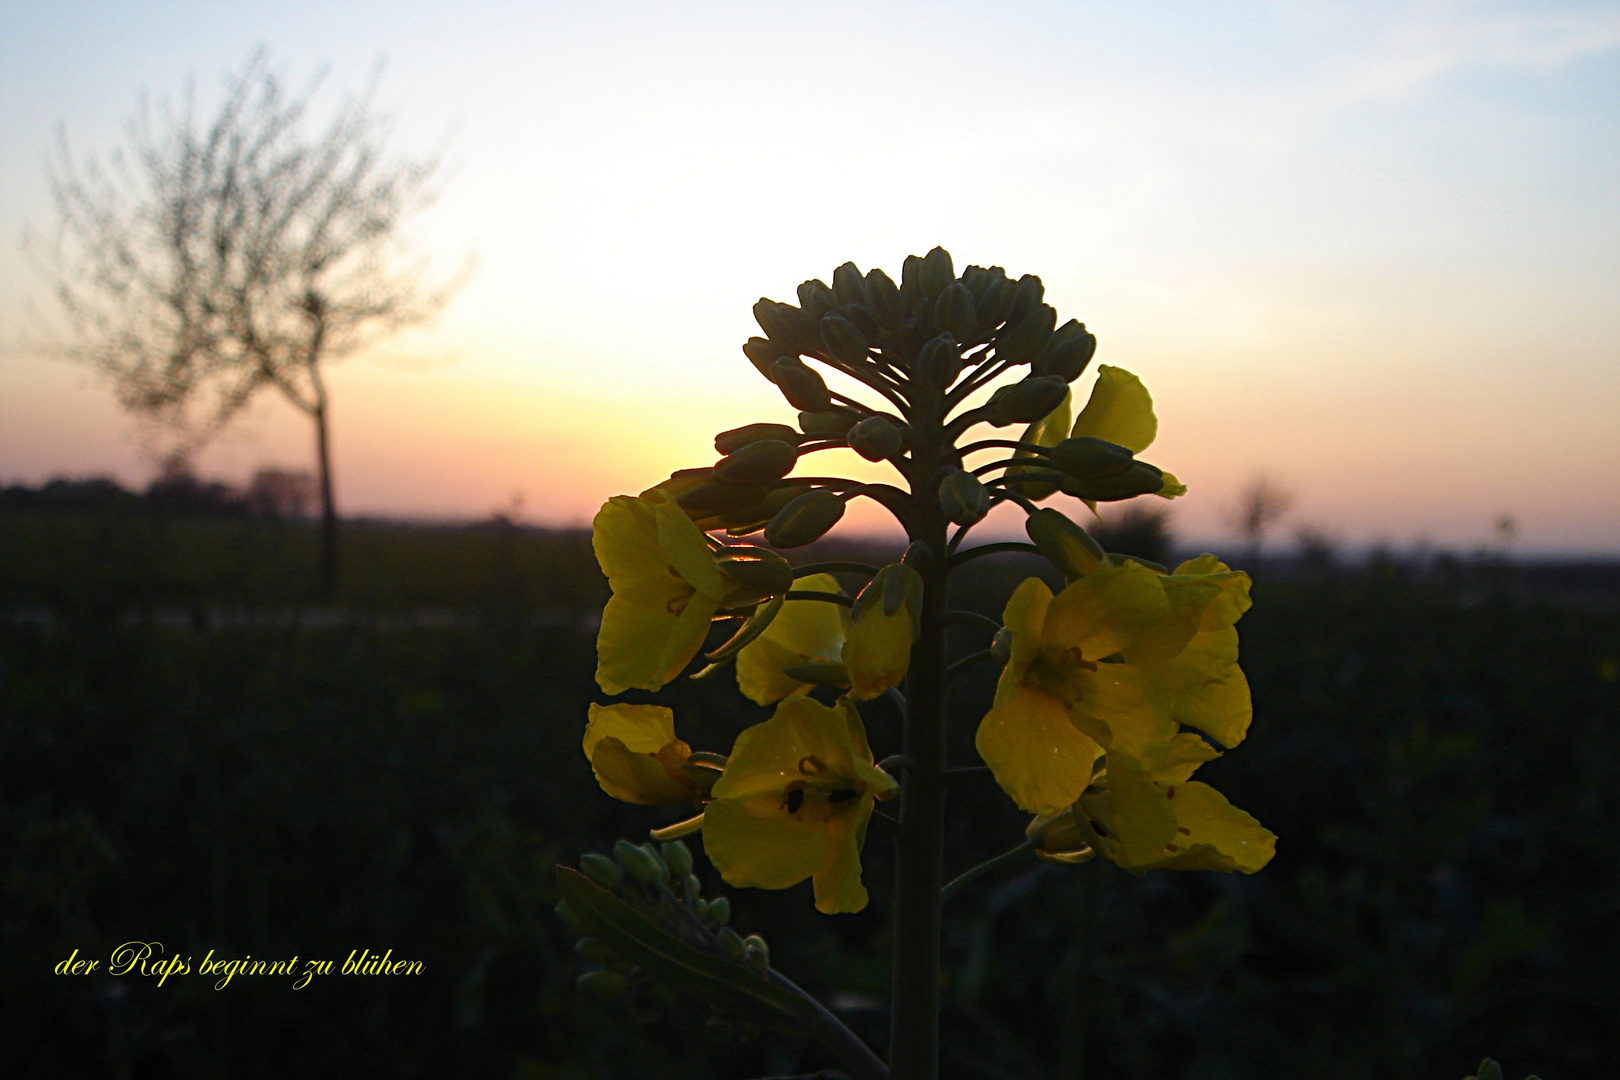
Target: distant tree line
{"points": [[272, 493]]}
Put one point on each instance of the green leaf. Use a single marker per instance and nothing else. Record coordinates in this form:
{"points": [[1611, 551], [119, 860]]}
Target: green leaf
{"points": [[644, 941]]}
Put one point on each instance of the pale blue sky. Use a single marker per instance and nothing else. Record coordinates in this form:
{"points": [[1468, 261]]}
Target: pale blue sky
{"points": [[1372, 249]]}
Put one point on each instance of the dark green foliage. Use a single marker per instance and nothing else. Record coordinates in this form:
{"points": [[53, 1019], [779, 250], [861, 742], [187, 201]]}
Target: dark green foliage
{"points": [[1441, 762]]}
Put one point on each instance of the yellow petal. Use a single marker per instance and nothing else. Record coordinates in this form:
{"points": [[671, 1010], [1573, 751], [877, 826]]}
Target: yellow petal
{"points": [[643, 729], [641, 778], [878, 651], [685, 549], [1102, 613], [1215, 835], [804, 741], [1024, 616], [642, 646], [838, 880], [1171, 488], [1189, 597], [1047, 431], [756, 843], [1144, 820], [1222, 710], [803, 632], [1038, 757], [1119, 411], [1125, 711], [624, 536]]}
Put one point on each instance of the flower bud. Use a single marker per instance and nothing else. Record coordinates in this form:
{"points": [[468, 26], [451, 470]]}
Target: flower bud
{"points": [[712, 497], [883, 299], [939, 363], [601, 869], [803, 388], [791, 328], [606, 984], [895, 586], [843, 341], [815, 298], [703, 776], [691, 888], [658, 861], [848, 286], [719, 912], [956, 313], [678, 857], [805, 519], [1026, 401], [1026, 296], [758, 573], [818, 673], [700, 909], [1001, 646], [637, 863], [937, 272], [1022, 341], [876, 438], [569, 919], [730, 941], [861, 319], [762, 353], [1086, 458], [1066, 545], [828, 422], [994, 303], [588, 948], [756, 953], [729, 442], [1067, 353], [752, 518], [963, 499], [1140, 479], [758, 462]]}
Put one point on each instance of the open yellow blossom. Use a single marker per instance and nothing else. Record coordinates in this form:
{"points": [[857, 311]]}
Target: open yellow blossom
{"points": [[1058, 705], [637, 758], [794, 802], [666, 589], [1120, 411], [803, 632]]}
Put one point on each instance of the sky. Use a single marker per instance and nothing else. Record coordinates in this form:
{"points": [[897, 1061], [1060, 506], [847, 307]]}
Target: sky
{"points": [[1369, 250]]}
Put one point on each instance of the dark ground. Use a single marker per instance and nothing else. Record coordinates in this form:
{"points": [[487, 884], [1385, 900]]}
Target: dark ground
{"points": [[1436, 746]]}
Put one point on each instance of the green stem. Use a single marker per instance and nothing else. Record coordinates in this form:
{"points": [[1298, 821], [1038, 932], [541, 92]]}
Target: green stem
{"points": [[967, 877], [914, 1042]]}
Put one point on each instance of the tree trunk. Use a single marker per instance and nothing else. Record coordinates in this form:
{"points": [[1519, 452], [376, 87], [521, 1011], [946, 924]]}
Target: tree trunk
{"points": [[329, 518]]}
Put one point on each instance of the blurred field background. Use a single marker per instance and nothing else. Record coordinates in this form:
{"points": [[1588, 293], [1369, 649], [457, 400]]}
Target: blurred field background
{"points": [[195, 754]]}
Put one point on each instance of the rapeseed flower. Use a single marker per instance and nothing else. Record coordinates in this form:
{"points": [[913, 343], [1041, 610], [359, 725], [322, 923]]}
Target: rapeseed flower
{"points": [[794, 802], [636, 757]]}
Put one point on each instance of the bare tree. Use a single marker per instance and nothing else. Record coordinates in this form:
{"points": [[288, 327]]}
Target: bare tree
{"points": [[210, 262], [1261, 504]]}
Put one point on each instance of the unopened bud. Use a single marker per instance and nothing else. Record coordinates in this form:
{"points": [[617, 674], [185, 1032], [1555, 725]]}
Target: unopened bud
{"points": [[844, 342], [803, 388], [588, 948], [805, 519], [679, 857], [1026, 297], [601, 869], [848, 286], [883, 299], [939, 362], [1026, 401], [691, 888], [815, 298], [1001, 646], [1068, 352], [818, 673], [606, 984], [1086, 458], [895, 586], [995, 301], [700, 909], [963, 499], [758, 462], [637, 863], [876, 438], [1140, 479], [788, 326], [730, 941], [1022, 341], [956, 313], [658, 861], [834, 423], [719, 912], [729, 442], [712, 497], [756, 953], [937, 272], [762, 353], [1066, 545]]}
